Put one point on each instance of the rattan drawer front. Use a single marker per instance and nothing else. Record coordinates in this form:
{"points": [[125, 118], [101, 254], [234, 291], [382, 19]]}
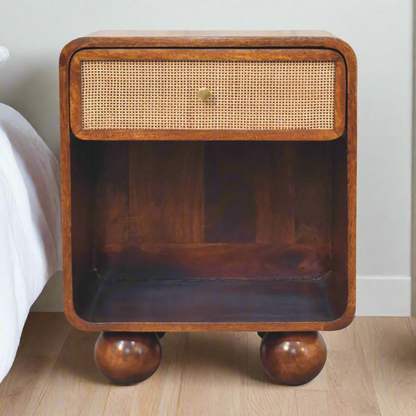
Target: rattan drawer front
{"points": [[246, 94]]}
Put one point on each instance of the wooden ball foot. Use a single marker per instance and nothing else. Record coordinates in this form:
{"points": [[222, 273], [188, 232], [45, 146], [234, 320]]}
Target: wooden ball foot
{"points": [[293, 358], [127, 357]]}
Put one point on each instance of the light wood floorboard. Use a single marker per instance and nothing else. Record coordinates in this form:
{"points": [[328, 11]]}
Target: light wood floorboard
{"points": [[370, 371]]}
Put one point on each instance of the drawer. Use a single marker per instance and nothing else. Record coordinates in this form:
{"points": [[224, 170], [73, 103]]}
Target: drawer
{"points": [[190, 94]]}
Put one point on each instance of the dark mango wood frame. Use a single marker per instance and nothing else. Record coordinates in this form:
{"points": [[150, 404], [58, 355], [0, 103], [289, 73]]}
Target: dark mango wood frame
{"points": [[95, 162]]}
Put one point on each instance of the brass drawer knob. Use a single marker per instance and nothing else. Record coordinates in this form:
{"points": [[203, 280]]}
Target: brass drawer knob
{"points": [[204, 94]]}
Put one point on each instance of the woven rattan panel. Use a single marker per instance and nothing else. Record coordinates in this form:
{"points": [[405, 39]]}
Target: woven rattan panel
{"points": [[245, 95]]}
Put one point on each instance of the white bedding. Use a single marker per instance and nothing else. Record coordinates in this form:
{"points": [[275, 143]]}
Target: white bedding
{"points": [[30, 226]]}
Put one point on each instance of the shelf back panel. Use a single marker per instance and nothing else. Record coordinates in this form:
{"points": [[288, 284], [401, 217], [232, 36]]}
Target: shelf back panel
{"points": [[166, 210]]}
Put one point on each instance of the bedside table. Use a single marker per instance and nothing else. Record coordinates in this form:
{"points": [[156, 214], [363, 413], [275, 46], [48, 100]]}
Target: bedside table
{"points": [[209, 184]]}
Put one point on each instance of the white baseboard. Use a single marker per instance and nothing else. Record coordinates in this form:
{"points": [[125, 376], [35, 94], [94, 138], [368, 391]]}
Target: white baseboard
{"points": [[383, 295], [376, 296]]}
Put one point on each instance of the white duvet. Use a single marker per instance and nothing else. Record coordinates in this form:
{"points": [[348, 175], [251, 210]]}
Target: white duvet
{"points": [[30, 226]]}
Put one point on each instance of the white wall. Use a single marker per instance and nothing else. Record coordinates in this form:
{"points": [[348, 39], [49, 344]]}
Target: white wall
{"points": [[379, 31]]}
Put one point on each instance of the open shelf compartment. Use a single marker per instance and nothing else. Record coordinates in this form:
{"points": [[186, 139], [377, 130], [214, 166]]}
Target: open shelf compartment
{"points": [[172, 232]]}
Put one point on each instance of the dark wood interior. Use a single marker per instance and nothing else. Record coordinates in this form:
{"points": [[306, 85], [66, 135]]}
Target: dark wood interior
{"points": [[207, 300], [209, 231]]}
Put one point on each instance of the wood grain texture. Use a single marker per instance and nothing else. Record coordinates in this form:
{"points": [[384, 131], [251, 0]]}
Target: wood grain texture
{"points": [[340, 225], [23, 387], [199, 368], [110, 197], [238, 192], [149, 195], [43, 337], [166, 193], [127, 358], [230, 209], [293, 358], [261, 395], [389, 350], [179, 261], [249, 55], [346, 361], [77, 185], [211, 135], [312, 403], [153, 191], [273, 39], [159, 395], [204, 373], [274, 177], [78, 204], [75, 381], [344, 365], [313, 208], [209, 304]]}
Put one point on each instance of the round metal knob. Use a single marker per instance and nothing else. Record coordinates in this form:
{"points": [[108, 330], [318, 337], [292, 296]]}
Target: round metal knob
{"points": [[204, 94]]}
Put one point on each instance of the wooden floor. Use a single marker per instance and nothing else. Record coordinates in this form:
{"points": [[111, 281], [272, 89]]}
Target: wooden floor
{"points": [[371, 370]]}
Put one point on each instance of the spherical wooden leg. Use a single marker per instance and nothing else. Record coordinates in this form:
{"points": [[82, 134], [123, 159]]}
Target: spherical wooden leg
{"points": [[293, 358], [127, 357]]}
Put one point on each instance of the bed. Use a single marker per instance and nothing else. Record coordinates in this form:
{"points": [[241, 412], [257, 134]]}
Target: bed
{"points": [[30, 229]]}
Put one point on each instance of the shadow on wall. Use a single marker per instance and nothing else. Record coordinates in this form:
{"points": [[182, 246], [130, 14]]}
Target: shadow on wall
{"points": [[30, 85], [51, 298]]}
